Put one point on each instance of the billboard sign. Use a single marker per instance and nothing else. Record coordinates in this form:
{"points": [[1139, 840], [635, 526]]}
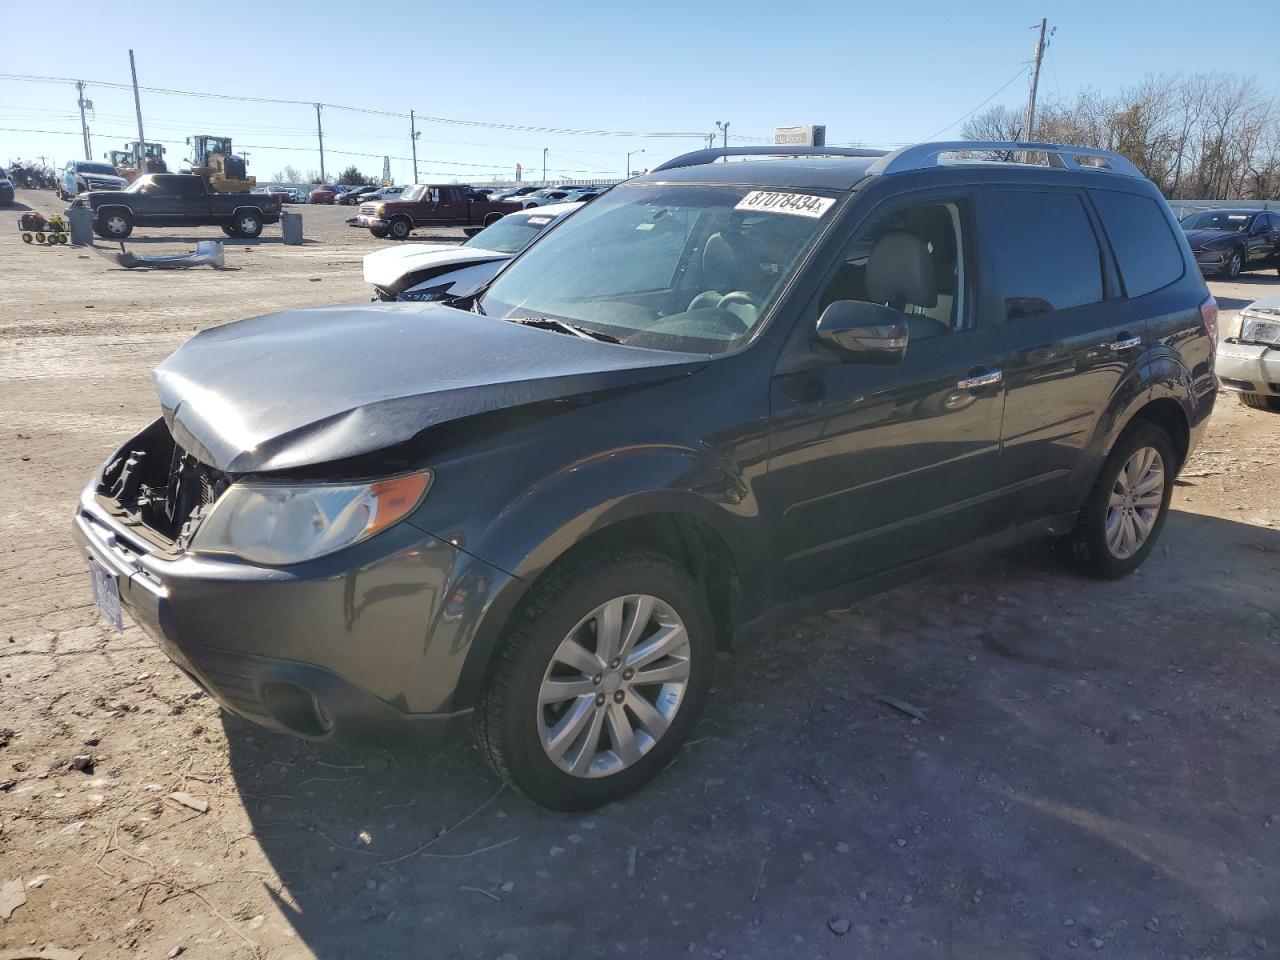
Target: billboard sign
{"points": [[805, 135]]}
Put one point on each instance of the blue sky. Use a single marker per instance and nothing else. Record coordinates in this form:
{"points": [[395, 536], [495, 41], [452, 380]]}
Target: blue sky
{"points": [[874, 73]]}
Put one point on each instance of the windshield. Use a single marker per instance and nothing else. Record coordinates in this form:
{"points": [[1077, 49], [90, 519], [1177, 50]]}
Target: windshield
{"points": [[511, 234], [1218, 220], [138, 186], [101, 168], [691, 268], [416, 192]]}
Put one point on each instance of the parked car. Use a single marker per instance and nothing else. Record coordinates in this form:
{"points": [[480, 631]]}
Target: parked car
{"points": [[430, 205], [1248, 362], [719, 396], [1228, 242], [177, 200], [510, 192], [583, 195], [355, 195], [80, 176], [385, 193], [540, 197], [6, 188], [326, 193], [283, 194], [446, 271]]}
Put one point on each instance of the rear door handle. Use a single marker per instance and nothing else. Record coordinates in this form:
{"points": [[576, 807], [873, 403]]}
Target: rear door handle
{"points": [[975, 381], [1128, 343]]}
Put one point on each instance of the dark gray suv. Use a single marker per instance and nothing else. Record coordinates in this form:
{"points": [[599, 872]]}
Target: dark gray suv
{"points": [[721, 395]]}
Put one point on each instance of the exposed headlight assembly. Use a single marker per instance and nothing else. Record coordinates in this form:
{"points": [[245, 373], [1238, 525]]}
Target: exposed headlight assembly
{"points": [[1260, 328], [277, 524]]}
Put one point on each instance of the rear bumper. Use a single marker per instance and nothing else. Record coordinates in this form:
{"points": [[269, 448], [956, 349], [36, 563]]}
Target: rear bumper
{"points": [[1248, 368], [368, 644]]}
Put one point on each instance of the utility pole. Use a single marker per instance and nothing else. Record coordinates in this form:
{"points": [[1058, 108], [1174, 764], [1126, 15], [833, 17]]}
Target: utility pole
{"points": [[1028, 128], [544, 165], [137, 106], [84, 126], [413, 138], [629, 156], [320, 134]]}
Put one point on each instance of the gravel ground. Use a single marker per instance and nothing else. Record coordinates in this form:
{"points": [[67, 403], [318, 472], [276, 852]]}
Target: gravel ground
{"points": [[1095, 770]]}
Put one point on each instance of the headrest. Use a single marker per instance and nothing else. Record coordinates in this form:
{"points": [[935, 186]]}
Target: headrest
{"points": [[901, 270], [720, 263]]}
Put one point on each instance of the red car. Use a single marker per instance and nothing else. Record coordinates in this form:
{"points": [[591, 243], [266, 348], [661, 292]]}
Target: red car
{"points": [[325, 194]]}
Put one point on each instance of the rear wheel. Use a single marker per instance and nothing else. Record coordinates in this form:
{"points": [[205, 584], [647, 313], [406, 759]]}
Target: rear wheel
{"points": [[1260, 401], [247, 224], [114, 224], [598, 679], [228, 231], [1126, 509]]}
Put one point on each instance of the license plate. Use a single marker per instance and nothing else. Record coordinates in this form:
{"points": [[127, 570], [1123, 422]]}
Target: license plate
{"points": [[106, 594]]}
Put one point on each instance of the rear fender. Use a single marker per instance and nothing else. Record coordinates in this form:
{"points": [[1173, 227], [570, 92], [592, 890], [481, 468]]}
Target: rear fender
{"points": [[1160, 374]]}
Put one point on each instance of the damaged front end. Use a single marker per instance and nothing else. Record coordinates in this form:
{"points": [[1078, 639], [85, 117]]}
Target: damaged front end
{"points": [[158, 490]]}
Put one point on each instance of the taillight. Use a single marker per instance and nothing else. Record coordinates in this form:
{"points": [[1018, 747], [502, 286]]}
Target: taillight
{"points": [[1209, 314]]}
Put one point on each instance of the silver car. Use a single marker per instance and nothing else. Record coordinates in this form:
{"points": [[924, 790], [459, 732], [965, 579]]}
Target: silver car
{"points": [[1249, 355]]}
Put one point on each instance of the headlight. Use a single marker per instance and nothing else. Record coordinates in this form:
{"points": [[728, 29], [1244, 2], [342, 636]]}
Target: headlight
{"points": [[1256, 328], [428, 294], [279, 524], [380, 209]]}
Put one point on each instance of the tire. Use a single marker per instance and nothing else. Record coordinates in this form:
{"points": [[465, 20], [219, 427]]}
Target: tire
{"points": [[400, 228], [1234, 265], [1259, 401], [246, 223], [492, 218], [379, 232], [513, 723], [114, 224], [27, 238], [1087, 546], [228, 231]]}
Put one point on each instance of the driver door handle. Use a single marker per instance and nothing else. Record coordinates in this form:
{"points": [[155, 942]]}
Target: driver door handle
{"points": [[976, 380]]}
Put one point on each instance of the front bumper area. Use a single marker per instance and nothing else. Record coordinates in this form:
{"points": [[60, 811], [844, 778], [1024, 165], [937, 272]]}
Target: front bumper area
{"points": [[363, 221], [1248, 368], [367, 644]]}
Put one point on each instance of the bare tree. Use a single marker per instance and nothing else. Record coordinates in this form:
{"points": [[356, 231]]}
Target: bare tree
{"points": [[290, 174]]}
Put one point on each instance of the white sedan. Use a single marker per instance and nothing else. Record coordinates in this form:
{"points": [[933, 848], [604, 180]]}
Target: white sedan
{"points": [[444, 271], [1248, 361]]}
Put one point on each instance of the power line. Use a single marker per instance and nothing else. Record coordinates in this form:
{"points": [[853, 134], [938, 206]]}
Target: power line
{"points": [[1021, 72]]}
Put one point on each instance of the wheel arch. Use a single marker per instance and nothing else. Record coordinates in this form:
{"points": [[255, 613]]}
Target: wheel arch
{"points": [[248, 207]]}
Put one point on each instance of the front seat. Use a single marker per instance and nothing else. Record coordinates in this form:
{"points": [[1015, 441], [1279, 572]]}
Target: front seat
{"points": [[721, 271], [900, 273]]}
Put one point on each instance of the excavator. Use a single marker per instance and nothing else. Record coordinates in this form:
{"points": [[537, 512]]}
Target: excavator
{"points": [[126, 161], [213, 159]]}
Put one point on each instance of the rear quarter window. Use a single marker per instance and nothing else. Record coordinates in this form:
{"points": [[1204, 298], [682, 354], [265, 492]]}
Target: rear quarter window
{"points": [[1146, 249]]}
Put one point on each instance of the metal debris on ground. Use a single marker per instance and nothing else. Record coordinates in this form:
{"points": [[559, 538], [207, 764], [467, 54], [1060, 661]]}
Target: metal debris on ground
{"points": [[910, 709], [207, 252]]}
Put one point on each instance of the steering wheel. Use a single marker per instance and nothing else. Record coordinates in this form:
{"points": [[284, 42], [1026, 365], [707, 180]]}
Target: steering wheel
{"points": [[744, 297]]}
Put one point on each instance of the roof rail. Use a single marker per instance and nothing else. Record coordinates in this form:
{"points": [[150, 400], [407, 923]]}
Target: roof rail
{"points": [[923, 155], [711, 155]]}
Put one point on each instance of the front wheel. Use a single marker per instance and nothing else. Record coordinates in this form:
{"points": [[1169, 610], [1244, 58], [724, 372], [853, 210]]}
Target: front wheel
{"points": [[598, 679], [1259, 401], [401, 228], [1234, 265], [1126, 509], [491, 219]]}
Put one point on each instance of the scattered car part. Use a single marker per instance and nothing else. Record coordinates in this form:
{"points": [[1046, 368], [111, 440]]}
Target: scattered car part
{"points": [[207, 253]]}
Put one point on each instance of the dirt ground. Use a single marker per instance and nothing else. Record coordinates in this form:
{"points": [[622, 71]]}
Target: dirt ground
{"points": [[1096, 770]]}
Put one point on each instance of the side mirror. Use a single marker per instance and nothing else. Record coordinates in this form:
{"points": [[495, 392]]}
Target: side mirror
{"points": [[861, 332]]}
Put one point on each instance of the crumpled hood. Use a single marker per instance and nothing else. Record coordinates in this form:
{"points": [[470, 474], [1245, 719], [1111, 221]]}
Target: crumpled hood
{"points": [[387, 267], [1202, 238], [311, 386]]}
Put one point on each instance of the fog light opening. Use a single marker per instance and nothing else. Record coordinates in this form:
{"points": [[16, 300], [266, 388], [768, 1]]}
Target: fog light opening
{"points": [[295, 708]]}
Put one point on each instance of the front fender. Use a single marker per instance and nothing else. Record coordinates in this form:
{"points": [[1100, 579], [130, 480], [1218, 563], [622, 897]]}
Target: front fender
{"points": [[587, 496]]}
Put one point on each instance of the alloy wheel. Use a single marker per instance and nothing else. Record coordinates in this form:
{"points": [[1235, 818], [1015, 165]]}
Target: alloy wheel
{"points": [[116, 224], [1235, 265], [613, 686], [1135, 502]]}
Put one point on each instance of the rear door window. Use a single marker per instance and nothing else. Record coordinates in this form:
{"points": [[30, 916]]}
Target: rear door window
{"points": [[1147, 251], [1045, 253]]}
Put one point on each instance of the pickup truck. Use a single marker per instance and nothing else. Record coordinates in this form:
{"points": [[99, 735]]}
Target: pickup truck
{"points": [[426, 205], [177, 200]]}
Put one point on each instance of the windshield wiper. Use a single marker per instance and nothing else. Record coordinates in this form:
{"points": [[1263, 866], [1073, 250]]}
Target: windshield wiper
{"points": [[564, 326]]}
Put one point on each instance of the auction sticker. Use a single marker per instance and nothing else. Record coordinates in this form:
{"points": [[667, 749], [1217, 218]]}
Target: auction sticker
{"points": [[796, 204]]}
